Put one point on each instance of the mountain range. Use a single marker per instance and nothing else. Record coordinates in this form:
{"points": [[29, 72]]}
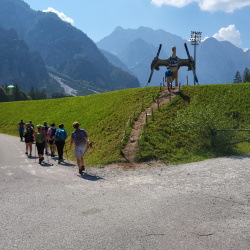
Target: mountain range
{"points": [[216, 62], [65, 51], [39, 49]]}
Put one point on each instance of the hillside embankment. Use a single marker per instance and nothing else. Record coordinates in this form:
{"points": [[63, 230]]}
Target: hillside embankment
{"points": [[201, 122]]}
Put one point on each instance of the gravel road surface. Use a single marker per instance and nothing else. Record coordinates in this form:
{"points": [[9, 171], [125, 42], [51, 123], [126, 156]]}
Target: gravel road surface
{"points": [[202, 205]]}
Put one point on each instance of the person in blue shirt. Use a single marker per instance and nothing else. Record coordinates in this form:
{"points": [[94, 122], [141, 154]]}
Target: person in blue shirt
{"points": [[20, 126], [169, 76], [60, 137]]}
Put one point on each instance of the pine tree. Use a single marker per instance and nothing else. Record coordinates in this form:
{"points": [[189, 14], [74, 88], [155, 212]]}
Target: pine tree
{"points": [[237, 77], [32, 93], [43, 94], [16, 94], [246, 75], [3, 95]]}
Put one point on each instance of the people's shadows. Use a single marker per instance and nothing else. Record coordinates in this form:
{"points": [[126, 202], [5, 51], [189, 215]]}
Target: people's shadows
{"points": [[46, 164], [90, 177], [67, 164]]}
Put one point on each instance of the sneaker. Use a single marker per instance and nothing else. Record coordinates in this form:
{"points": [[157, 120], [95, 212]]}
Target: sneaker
{"points": [[30, 154], [26, 153], [40, 161], [83, 168], [80, 170]]}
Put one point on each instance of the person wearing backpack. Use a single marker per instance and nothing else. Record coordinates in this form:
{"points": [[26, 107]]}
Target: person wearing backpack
{"points": [[29, 138], [31, 124], [81, 140], [60, 137], [51, 138], [169, 77], [45, 128], [40, 142], [20, 126]]}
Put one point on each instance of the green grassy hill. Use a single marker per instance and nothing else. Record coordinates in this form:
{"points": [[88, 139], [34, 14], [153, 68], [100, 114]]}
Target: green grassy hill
{"points": [[182, 131], [185, 130], [103, 116]]}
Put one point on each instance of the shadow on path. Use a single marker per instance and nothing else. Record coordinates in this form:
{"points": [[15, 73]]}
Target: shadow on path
{"points": [[90, 177]]}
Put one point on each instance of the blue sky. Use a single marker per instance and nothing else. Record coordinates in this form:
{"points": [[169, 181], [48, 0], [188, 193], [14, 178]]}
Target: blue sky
{"points": [[223, 19]]}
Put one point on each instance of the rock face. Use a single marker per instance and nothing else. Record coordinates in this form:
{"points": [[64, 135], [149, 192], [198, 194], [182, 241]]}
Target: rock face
{"points": [[17, 64], [62, 47]]}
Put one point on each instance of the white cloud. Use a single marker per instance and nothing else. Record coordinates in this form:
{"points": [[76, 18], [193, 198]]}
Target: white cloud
{"points": [[61, 15], [179, 3], [206, 37], [230, 34], [206, 5]]}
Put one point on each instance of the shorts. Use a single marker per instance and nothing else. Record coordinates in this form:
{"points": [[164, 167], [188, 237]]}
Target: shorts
{"points": [[80, 150], [40, 148], [169, 79], [29, 140]]}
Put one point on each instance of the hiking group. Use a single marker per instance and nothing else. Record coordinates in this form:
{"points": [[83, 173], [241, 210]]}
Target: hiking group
{"points": [[46, 136]]}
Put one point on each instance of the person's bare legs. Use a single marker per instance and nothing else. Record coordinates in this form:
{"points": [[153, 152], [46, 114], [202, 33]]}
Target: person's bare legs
{"points": [[30, 147], [27, 146], [80, 163]]}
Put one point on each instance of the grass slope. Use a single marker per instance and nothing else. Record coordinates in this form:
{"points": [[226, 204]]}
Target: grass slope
{"points": [[184, 130], [103, 116]]}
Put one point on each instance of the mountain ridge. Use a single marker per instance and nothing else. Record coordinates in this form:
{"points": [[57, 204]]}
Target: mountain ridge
{"points": [[63, 47], [224, 66]]}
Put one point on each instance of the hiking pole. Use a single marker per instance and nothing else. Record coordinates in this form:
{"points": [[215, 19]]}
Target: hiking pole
{"points": [[47, 156], [66, 152], [35, 153]]}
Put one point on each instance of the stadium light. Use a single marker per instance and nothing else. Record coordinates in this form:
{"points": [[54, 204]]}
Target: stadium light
{"points": [[195, 40]]}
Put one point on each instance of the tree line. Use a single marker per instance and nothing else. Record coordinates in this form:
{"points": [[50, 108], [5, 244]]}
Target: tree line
{"points": [[246, 76], [16, 94]]}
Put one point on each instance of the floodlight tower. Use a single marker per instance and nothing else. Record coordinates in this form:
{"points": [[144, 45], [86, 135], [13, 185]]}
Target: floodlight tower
{"points": [[195, 40]]}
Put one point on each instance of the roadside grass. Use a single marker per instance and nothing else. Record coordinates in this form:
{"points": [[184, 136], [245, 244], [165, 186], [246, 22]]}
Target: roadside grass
{"points": [[188, 129], [185, 130], [103, 116]]}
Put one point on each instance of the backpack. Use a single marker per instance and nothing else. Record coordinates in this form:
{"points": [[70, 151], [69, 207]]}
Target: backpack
{"points": [[45, 128], [40, 137], [79, 137], [53, 132], [29, 134], [21, 124], [61, 134], [169, 73]]}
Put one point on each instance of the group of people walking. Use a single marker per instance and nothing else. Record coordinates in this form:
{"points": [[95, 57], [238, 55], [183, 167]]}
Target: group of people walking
{"points": [[46, 136]]}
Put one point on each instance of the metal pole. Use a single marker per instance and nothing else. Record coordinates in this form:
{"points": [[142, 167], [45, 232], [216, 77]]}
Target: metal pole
{"points": [[194, 59]]}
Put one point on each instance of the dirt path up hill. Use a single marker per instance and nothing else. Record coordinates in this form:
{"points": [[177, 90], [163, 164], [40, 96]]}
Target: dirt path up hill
{"points": [[132, 145]]}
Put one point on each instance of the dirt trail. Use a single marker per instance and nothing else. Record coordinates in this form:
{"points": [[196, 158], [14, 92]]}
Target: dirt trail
{"points": [[132, 145]]}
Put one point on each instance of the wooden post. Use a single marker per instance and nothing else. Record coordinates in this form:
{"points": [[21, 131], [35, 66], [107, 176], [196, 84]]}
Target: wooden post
{"points": [[158, 103], [163, 82], [152, 113], [146, 117]]}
